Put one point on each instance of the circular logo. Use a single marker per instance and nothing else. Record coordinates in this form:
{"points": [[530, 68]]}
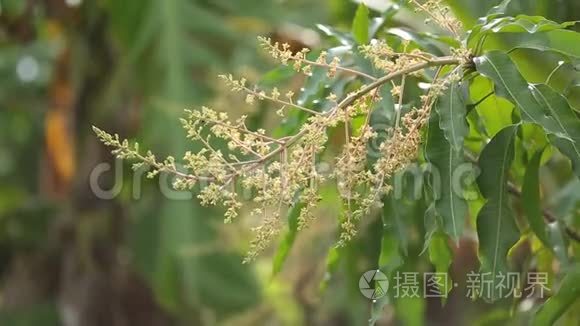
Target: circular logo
{"points": [[373, 284]]}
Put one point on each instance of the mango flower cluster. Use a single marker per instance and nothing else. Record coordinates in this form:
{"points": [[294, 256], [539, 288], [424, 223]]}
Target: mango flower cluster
{"points": [[281, 172]]}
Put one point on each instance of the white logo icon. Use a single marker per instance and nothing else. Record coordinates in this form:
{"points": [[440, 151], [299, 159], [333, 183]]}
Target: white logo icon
{"points": [[373, 284]]}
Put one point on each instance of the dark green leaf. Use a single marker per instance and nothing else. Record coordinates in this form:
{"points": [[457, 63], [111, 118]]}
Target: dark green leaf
{"points": [[389, 260], [559, 242], [531, 199], [441, 257], [450, 204], [287, 239], [496, 226], [568, 140], [452, 110], [538, 103]]}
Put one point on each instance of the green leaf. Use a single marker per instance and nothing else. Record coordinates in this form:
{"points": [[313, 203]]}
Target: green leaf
{"points": [[518, 24], [452, 110], [496, 226], [360, 24], [559, 242], [568, 293], [441, 257], [449, 202], [493, 113], [427, 42], [531, 199], [390, 259], [333, 258], [559, 40], [538, 103], [288, 239], [568, 142]]}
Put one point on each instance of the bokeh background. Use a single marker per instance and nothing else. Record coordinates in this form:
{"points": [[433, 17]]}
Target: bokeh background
{"points": [[147, 256]]}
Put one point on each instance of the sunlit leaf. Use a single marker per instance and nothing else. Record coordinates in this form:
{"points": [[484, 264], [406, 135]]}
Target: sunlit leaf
{"points": [[360, 24]]}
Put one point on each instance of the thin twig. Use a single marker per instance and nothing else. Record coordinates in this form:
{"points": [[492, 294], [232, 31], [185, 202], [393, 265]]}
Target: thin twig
{"points": [[340, 68], [262, 95]]}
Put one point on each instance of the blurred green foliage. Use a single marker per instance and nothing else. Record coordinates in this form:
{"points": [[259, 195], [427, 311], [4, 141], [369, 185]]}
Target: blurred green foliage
{"points": [[70, 258]]}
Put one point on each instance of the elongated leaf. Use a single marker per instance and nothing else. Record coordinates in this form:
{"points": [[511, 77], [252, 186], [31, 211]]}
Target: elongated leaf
{"points": [[559, 242], [360, 24], [538, 103], [288, 239], [441, 257], [531, 199], [450, 204], [559, 40], [496, 227], [551, 235], [452, 110], [390, 259], [568, 293], [333, 258]]}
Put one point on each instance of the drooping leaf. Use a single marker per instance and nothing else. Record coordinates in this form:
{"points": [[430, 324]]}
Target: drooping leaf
{"points": [[567, 294], [449, 202], [287, 239], [537, 103], [452, 110], [390, 259], [360, 24], [496, 226], [332, 262], [441, 257], [559, 109], [559, 242], [531, 199]]}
